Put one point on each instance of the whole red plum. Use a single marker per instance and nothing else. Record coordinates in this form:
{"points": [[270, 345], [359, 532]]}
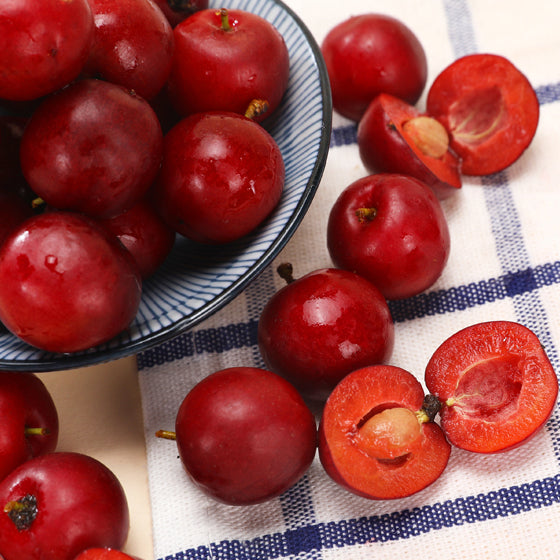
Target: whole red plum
{"points": [[392, 230], [320, 327], [95, 148], [372, 53], [245, 435], [57, 505], [65, 283]]}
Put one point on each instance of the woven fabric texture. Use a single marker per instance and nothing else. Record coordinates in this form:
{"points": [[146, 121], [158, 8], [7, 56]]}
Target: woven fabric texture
{"points": [[504, 264]]}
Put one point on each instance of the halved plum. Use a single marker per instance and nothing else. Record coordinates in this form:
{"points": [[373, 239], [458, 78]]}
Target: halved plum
{"points": [[496, 384], [395, 137], [377, 437], [489, 109]]}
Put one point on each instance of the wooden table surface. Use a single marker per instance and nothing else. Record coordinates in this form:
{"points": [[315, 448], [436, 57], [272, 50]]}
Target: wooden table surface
{"points": [[100, 415]]}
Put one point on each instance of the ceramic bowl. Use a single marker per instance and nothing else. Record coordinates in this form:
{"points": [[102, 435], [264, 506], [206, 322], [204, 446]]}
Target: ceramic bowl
{"points": [[196, 281]]}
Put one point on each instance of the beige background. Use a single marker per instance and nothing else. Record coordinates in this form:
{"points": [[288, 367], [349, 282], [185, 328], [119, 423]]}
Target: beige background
{"points": [[100, 415]]}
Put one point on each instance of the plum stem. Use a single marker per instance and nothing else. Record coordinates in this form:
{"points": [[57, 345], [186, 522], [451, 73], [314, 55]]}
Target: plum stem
{"points": [[36, 431], [366, 214], [37, 202], [286, 272], [430, 408], [166, 434], [22, 512], [256, 108], [223, 13]]}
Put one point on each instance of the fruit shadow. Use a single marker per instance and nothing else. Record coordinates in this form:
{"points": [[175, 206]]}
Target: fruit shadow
{"points": [[514, 466]]}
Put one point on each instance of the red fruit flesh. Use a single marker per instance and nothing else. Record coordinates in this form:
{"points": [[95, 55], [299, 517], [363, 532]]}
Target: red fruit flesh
{"points": [[496, 383], [29, 420], [322, 326], [104, 554], [489, 108], [394, 137], [177, 10], [370, 54], [373, 437], [144, 233]]}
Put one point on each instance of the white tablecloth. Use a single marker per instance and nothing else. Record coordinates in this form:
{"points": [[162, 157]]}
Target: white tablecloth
{"points": [[504, 264]]}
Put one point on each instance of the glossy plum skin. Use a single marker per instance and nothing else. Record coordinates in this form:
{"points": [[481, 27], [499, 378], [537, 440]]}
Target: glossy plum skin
{"points": [[320, 327], [94, 148], [396, 458], [496, 383], [133, 45], [65, 283], [25, 403], [489, 108], [222, 175], [245, 435], [80, 504], [62, 37], [225, 69], [369, 54], [144, 233], [177, 10], [392, 230], [390, 140]]}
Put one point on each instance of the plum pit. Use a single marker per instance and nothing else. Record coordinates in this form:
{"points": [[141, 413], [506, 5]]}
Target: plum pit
{"points": [[428, 135], [389, 434]]}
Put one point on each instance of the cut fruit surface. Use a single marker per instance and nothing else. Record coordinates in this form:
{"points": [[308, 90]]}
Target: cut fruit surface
{"points": [[373, 438], [489, 109], [497, 385], [394, 137]]}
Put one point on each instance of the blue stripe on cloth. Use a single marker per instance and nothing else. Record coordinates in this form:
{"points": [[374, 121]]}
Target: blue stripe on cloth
{"points": [[395, 526], [460, 28], [513, 256], [457, 298], [191, 343]]}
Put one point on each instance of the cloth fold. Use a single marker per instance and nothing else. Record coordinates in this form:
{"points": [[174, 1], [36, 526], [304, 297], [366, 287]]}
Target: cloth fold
{"points": [[504, 264]]}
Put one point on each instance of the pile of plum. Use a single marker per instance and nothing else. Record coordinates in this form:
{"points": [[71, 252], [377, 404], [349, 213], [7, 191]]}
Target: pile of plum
{"points": [[127, 129], [117, 155]]}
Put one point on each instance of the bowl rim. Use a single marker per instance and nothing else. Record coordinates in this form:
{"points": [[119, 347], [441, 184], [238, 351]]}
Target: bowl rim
{"points": [[61, 362]]}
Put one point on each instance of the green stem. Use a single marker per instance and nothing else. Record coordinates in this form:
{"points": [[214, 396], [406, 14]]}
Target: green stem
{"points": [[36, 431], [223, 13]]}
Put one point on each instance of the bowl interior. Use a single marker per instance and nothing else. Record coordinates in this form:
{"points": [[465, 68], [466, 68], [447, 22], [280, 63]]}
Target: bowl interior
{"points": [[197, 280]]}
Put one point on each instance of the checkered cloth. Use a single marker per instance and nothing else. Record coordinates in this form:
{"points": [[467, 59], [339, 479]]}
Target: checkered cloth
{"points": [[504, 264]]}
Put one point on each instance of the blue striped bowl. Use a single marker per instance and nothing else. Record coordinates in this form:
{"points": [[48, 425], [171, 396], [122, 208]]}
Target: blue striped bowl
{"points": [[197, 281]]}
